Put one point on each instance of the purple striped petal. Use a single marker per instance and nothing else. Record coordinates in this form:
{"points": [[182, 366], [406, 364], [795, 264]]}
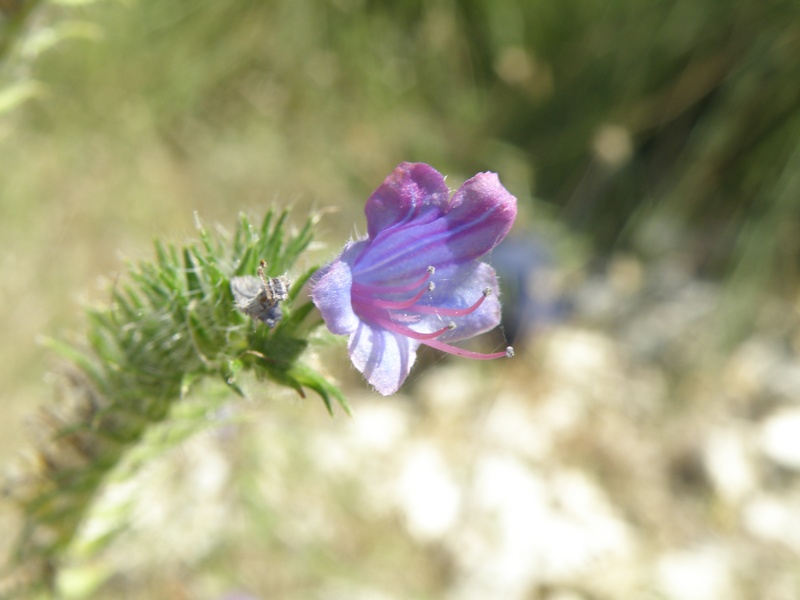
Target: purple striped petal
{"points": [[384, 358], [415, 278], [409, 191]]}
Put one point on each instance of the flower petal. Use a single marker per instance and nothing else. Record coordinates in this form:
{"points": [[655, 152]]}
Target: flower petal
{"points": [[331, 292], [384, 358], [460, 288], [477, 218], [417, 274], [410, 190], [480, 215]]}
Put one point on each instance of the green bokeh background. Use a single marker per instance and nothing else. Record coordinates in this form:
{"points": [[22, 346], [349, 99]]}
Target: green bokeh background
{"points": [[649, 127]]}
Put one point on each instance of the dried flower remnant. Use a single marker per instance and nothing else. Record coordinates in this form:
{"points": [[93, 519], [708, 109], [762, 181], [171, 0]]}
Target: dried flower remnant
{"points": [[415, 279], [260, 297]]}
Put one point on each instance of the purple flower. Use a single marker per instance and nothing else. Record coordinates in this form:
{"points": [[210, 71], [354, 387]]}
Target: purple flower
{"points": [[416, 279]]}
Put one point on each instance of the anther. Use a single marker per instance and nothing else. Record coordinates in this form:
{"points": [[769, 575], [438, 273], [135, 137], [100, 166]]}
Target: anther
{"points": [[431, 286], [431, 269], [487, 292], [509, 352]]}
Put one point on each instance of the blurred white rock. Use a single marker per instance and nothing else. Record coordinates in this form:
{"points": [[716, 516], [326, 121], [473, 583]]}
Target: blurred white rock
{"points": [[426, 493], [750, 365], [703, 573], [515, 425], [780, 438], [774, 519], [378, 426], [729, 464], [585, 361], [523, 528]]}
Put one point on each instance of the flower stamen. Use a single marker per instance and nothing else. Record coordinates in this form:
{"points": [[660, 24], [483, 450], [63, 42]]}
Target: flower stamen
{"points": [[454, 312], [408, 332], [401, 304], [507, 353], [392, 289]]}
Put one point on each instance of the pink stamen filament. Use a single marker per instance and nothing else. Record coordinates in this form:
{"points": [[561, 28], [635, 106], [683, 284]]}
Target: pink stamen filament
{"points": [[408, 332], [453, 312], [508, 352], [429, 339], [396, 305], [391, 289]]}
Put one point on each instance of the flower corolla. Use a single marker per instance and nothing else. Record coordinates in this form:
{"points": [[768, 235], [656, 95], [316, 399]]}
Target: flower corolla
{"points": [[416, 278]]}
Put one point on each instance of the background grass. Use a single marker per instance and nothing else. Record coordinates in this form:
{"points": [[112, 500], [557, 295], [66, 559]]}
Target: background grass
{"points": [[655, 128]]}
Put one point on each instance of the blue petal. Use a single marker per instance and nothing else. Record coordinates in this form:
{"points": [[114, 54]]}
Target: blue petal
{"points": [[330, 292], [480, 215], [411, 190], [403, 253], [384, 358], [458, 288], [412, 225], [477, 218]]}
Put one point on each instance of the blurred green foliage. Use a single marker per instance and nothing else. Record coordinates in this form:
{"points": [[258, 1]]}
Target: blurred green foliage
{"points": [[620, 113], [663, 127], [171, 324]]}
